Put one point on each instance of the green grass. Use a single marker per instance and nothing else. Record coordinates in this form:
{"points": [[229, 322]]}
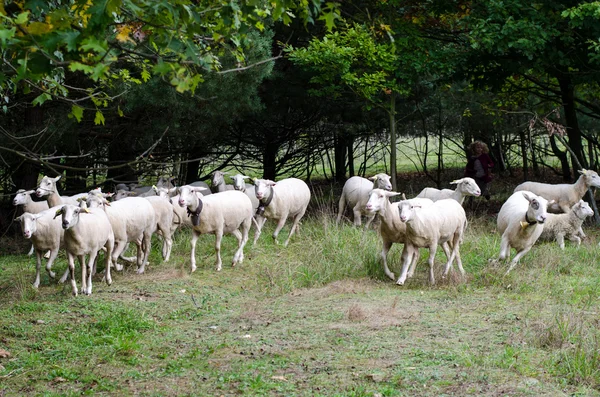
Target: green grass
{"points": [[318, 318]]}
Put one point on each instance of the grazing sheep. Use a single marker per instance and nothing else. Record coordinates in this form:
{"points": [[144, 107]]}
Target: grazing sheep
{"points": [[564, 195], [355, 195], [226, 212], [521, 222], [133, 219], [442, 222], [163, 210], [46, 234], [47, 188], [559, 226], [464, 187], [218, 182], [391, 229], [87, 231], [239, 184], [280, 200]]}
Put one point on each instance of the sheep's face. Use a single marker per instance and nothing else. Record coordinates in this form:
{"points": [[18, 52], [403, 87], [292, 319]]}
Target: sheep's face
{"points": [[70, 216], [22, 197], [592, 178], [94, 201], [218, 179], [376, 201], [238, 182], [382, 181], [28, 224], [406, 210], [262, 187], [537, 207], [46, 187], [582, 210], [469, 187], [185, 196], [121, 194]]}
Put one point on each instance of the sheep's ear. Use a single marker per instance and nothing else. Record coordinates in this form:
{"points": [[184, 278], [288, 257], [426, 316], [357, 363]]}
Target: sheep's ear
{"points": [[57, 178], [403, 196], [551, 202], [18, 218], [391, 194], [271, 183], [154, 188], [582, 171], [373, 178], [28, 192], [244, 177], [199, 189], [173, 189], [456, 181], [528, 197], [58, 212]]}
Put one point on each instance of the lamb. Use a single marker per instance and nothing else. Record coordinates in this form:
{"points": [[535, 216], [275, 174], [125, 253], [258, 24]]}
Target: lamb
{"points": [[86, 232], [23, 198], [564, 195], [391, 229], [47, 188], [443, 222], [46, 234], [163, 209], [355, 195], [464, 187], [133, 220], [280, 200], [239, 184], [559, 226], [218, 182], [521, 222], [226, 212]]}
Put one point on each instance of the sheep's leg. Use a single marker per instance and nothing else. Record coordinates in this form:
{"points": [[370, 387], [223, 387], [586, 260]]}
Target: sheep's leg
{"points": [[341, 208], [167, 244], [31, 250], [280, 224], [387, 245], [71, 261], [53, 255], [413, 264], [260, 222], [357, 215], [504, 248], [581, 233], [118, 249], [368, 222], [560, 239], [239, 237], [110, 246], [515, 260], [295, 226], [246, 225], [64, 276], [195, 236], [575, 239], [407, 255], [449, 255], [430, 261], [83, 266], [218, 238], [146, 245], [90, 267], [38, 266]]}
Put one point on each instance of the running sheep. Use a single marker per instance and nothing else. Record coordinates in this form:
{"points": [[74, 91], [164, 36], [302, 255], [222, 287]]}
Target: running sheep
{"points": [[355, 195], [559, 226], [280, 200], [520, 222], [563, 196], [226, 212]]}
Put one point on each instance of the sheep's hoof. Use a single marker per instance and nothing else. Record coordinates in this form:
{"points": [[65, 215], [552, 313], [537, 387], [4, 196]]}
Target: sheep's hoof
{"points": [[74, 292], [400, 282], [140, 270], [51, 274], [118, 267], [36, 285], [193, 268]]}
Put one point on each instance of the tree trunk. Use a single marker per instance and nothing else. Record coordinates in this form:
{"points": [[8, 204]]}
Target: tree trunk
{"points": [[524, 154], [350, 144], [191, 170], [562, 157], [567, 92], [393, 140], [339, 155], [270, 161]]}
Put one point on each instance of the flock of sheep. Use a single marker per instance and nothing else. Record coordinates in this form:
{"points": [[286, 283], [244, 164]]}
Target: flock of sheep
{"points": [[87, 223]]}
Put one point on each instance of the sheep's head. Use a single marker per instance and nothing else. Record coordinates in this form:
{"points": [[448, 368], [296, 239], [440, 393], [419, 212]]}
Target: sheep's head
{"points": [[537, 208], [382, 181], [582, 209], [591, 177], [218, 178], [28, 223], [262, 187], [47, 186], [22, 196], [467, 186], [377, 199], [239, 181]]}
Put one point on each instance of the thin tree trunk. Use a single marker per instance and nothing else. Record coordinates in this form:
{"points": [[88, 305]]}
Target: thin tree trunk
{"points": [[393, 140], [567, 92]]}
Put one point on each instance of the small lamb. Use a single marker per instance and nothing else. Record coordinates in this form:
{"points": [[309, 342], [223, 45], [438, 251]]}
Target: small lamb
{"points": [[355, 195], [559, 226], [521, 222], [563, 195], [280, 200], [464, 187]]}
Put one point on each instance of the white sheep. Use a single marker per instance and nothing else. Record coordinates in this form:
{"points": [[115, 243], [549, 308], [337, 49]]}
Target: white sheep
{"points": [[164, 212], [87, 231], [47, 188], [239, 184], [280, 200], [559, 226], [133, 219], [46, 234], [391, 228], [355, 195], [180, 215], [442, 222], [226, 212], [464, 187], [218, 182], [521, 222], [23, 199], [563, 195]]}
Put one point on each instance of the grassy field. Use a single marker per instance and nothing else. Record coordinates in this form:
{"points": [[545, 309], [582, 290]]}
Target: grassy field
{"points": [[318, 318]]}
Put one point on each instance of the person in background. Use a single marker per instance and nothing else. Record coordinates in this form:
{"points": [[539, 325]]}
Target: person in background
{"points": [[479, 167]]}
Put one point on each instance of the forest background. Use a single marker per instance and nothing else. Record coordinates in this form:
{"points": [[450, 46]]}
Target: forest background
{"points": [[114, 91]]}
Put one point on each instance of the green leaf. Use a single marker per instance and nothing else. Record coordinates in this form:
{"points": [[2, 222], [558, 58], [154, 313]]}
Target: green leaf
{"points": [[78, 66], [22, 18], [40, 99], [145, 75], [7, 34], [77, 112], [99, 119], [70, 40], [93, 44]]}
